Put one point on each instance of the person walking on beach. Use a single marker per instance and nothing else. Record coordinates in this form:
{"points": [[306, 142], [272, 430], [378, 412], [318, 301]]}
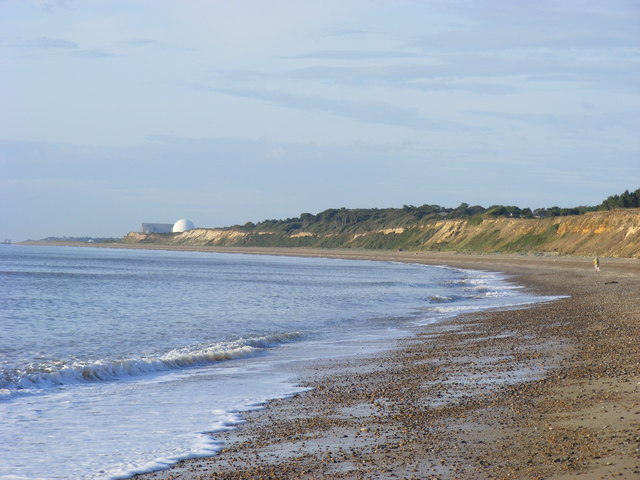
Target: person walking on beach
{"points": [[596, 264]]}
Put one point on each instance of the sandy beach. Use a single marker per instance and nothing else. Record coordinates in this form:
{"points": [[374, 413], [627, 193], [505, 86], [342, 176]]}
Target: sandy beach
{"points": [[549, 391]]}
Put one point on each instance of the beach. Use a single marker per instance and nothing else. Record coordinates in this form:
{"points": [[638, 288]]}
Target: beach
{"points": [[548, 391]]}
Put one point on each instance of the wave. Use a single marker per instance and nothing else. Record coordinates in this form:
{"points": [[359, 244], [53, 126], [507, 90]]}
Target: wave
{"points": [[38, 377], [441, 299], [482, 285]]}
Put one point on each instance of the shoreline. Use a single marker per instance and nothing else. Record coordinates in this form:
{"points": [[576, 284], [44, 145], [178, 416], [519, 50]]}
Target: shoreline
{"points": [[488, 260], [546, 391]]}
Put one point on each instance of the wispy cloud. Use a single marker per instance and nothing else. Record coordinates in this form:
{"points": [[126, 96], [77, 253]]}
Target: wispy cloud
{"points": [[53, 6], [64, 46], [496, 68], [512, 38], [415, 76], [97, 54], [59, 182], [356, 54], [139, 43], [360, 111], [581, 122], [527, 117], [51, 43], [557, 25]]}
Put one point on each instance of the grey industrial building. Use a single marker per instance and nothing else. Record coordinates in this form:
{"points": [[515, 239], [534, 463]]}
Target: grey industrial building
{"points": [[157, 227]]}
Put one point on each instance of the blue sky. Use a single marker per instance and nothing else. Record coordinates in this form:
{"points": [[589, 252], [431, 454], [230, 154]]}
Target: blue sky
{"points": [[117, 112]]}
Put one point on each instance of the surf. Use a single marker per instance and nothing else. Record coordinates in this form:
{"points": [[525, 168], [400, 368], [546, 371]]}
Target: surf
{"points": [[36, 378]]}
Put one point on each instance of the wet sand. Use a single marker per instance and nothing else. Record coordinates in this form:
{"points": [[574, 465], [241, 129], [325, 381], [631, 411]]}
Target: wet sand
{"points": [[550, 391]]}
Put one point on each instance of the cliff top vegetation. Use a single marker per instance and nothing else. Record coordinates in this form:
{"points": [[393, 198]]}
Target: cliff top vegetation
{"points": [[356, 220]]}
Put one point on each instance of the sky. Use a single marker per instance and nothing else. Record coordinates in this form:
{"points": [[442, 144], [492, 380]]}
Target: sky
{"points": [[118, 112]]}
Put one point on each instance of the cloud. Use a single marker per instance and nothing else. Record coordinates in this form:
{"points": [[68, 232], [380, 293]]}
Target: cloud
{"points": [[422, 77], [65, 46], [619, 69], [481, 86], [560, 25], [512, 38], [580, 122], [92, 54], [355, 54], [417, 76], [52, 6], [482, 71], [139, 43], [45, 182], [51, 43], [232, 77], [363, 112]]}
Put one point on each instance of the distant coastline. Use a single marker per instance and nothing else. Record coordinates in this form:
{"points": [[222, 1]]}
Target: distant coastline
{"points": [[610, 229], [614, 233]]}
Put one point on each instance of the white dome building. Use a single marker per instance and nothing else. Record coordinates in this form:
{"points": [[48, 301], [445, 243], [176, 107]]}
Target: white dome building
{"points": [[182, 225]]}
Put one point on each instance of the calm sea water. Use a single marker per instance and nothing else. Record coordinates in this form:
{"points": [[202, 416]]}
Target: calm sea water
{"points": [[115, 361]]}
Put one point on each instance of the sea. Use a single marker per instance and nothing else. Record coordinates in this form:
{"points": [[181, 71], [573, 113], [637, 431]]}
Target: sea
{"points": [[115, 362]]}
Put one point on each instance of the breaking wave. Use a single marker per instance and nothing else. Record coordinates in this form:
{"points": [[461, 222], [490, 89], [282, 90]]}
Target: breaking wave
{"points": [[35, 378]]}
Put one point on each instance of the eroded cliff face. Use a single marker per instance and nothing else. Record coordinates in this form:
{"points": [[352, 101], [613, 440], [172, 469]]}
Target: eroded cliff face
{"points": [[614, 233], [196, 236], [611, 233]]}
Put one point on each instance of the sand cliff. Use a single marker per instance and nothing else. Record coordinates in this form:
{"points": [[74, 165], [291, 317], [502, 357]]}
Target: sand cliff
{"points": [[614, 233]]}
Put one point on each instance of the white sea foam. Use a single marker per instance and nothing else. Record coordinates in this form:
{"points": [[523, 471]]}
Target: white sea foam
{"points": [[203, 445], [37, 377], [441, 299]]}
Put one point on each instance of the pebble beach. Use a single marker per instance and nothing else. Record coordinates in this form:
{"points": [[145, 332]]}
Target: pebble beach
{"points": [[547, 391]]}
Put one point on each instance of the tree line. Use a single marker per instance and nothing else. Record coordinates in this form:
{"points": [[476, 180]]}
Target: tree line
{"points": [[341, 220]]}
